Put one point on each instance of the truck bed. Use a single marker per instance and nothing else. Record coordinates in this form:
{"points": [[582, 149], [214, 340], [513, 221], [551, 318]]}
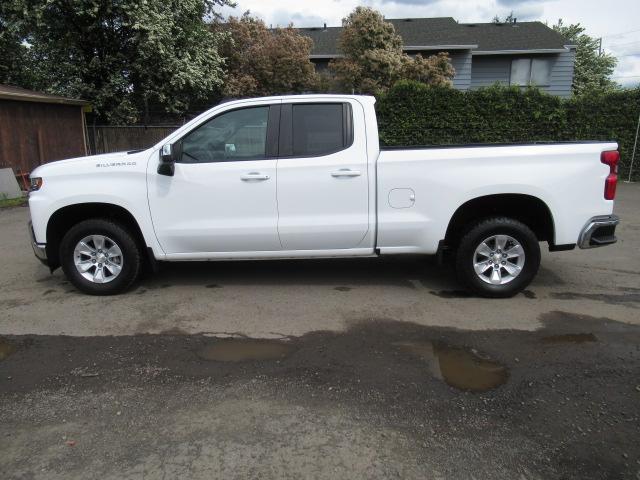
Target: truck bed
{"points": [[567, 176]]}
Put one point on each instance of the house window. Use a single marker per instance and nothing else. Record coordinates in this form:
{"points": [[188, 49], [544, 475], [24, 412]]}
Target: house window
{"points": [[520, 71], [541, 71], [530, 71]]}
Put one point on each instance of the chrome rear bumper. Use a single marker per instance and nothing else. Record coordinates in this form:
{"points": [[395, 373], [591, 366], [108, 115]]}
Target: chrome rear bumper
{"points": [[599, 231]]}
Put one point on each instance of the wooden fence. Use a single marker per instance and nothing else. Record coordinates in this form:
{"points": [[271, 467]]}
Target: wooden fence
{"points": [[106, 139]]}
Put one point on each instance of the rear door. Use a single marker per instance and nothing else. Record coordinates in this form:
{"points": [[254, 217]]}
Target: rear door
{"points": [[322, 185]]}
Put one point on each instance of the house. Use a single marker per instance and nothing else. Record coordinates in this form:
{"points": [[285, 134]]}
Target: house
{"points": [[37, 127], [514, 53]]}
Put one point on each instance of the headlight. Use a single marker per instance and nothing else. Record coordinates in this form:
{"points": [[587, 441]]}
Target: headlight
{"points": [[36, 183]]}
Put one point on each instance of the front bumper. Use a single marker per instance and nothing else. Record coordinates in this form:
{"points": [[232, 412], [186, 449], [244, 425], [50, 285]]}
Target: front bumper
{"points": [[599, 231], [39, 249]]}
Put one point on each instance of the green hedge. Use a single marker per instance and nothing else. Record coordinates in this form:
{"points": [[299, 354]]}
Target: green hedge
{"points": [[412, 113]]}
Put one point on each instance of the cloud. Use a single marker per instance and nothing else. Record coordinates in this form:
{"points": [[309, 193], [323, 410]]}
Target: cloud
{"points": [[625, 47], [628, 71], [283, 18], [528, 12], [302, 14], [410, 2], [511, 3]]}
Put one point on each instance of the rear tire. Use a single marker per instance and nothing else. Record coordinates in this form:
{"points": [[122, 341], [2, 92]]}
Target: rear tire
{"points": [[100, 257], [497, 257]]}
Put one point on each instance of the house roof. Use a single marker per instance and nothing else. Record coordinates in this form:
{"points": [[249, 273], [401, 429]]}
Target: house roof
{"points": [[445, 33], [9, 92], [515, 36]]}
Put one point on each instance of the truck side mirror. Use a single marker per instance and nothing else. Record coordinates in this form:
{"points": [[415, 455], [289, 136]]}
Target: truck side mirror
{"points": [[168, 156]]}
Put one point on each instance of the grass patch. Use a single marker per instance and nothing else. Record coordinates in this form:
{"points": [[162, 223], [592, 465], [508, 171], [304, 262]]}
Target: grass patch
{"points": [[13, 202]]}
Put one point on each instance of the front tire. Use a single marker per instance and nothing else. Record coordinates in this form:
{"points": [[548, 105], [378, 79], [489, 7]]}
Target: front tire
{"points": [[497, 257], [100, 257]]}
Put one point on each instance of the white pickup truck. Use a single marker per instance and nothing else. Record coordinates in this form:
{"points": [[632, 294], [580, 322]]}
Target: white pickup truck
{"points": [[305, 177]]}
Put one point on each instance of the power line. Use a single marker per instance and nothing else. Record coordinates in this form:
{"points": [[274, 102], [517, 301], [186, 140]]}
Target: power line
{"points": [[623, 44], [628, 76], [619, 34]]}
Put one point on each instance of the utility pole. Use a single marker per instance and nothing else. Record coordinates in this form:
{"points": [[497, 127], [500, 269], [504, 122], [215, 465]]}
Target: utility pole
{"points": [[600, 47]]}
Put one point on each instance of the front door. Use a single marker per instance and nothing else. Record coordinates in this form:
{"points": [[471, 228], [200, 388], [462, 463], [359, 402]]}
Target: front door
{"points": [[323, 188], [222, 196]]}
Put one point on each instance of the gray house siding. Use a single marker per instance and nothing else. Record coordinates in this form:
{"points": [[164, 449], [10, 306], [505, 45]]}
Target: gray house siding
{"points": [[461, 61], [489, 69], [562, 74]]}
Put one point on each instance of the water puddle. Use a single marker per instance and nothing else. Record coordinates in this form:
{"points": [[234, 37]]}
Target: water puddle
{"points": [[6, 348], [571, 338], [458, 367], [241, 349]]}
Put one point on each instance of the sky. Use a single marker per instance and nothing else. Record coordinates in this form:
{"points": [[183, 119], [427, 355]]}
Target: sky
{"points": [[616, 21]]}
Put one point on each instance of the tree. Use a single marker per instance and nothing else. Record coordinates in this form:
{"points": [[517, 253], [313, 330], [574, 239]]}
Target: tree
{"points": [[592, 70], [373, 57], [130, 59], [13, 53], [260, 61], [508, 19], [433, 70]]}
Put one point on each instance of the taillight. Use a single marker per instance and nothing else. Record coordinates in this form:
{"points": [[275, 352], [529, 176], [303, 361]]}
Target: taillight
{"points": [[610, 158]]}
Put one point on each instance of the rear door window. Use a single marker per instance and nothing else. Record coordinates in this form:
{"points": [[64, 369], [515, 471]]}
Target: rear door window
{"points": [[315, 129]]}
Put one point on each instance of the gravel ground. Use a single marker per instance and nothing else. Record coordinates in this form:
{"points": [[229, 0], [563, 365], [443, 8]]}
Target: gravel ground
{"points": [[328, 369]]}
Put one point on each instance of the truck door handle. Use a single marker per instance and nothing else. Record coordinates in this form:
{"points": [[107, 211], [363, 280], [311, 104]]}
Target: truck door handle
{"points": [[346, 172], [247, 177]]}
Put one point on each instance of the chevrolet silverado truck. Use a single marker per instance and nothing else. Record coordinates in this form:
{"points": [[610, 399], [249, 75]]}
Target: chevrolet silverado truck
{"points": [[305, 177]]}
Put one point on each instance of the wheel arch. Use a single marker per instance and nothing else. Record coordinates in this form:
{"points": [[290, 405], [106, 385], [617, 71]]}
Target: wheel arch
{"points": [[65, 217], [528, 209]]}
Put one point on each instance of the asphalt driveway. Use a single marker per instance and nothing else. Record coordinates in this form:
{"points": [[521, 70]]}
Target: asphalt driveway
{"points": [[326, 369]]}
